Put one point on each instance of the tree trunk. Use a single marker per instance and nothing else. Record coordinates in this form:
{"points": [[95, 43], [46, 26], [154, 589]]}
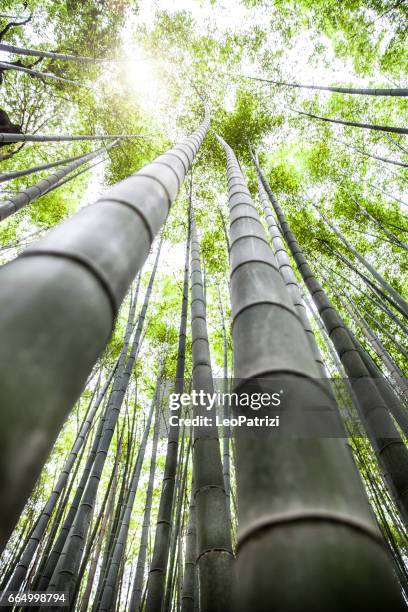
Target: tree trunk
{"points": [[74, 278], [9, 176], [41, 526], [4, 66], [158, 566], [214, 550], [403, 305], [366, 126], [383, 159], [50, 54], [13, 138], [346, 90], [175, 539], [288, 275], [390, 450], [65, 573], [108, 591], [137, 591], [304, 491], [187, 595], [226, 470]]}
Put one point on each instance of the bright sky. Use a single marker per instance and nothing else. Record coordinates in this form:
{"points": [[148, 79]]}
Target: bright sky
{"points": [[140, 73]]}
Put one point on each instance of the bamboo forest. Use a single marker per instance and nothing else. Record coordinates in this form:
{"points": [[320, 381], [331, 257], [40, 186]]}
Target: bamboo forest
{"points": [[203, 305]]}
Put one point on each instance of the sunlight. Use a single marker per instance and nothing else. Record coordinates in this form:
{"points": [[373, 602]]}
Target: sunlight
{"points": [[229, 99], [139, 75]]}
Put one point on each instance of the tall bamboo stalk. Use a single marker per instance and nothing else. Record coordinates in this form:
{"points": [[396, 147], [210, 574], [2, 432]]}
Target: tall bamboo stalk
{"points": [[382, 159], [137, 589], [13, 138], [107, 595], [305, 491], [65, 573], [392, 401], [187, 594], [394, 371], [226, 463], [49, 54], [95, 542], [9, 176], [27, 556], [175, 539], [375, 289], [214, 550], [32, 193], [50, 561], [396, 92], [390, 450], [74, 278], [366, 126], [398, 299], [158, 566], [36, 73], [389, 195], [288, 275], [384, 229]]}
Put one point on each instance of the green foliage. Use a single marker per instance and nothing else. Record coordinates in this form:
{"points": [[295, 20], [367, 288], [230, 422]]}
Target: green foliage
{"points": [[206, 51], [247, 124]]}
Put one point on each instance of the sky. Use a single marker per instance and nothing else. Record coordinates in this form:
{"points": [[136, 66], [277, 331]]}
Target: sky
{"points": [[140, 73]]}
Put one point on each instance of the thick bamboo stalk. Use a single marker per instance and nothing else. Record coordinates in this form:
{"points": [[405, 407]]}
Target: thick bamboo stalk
{"points": [[65, 575], [366, 126], [38, 533], [305, 491], [59, 300], [32, 193], [390, 450], [214, 550], [158, 566], [48, 567]]}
